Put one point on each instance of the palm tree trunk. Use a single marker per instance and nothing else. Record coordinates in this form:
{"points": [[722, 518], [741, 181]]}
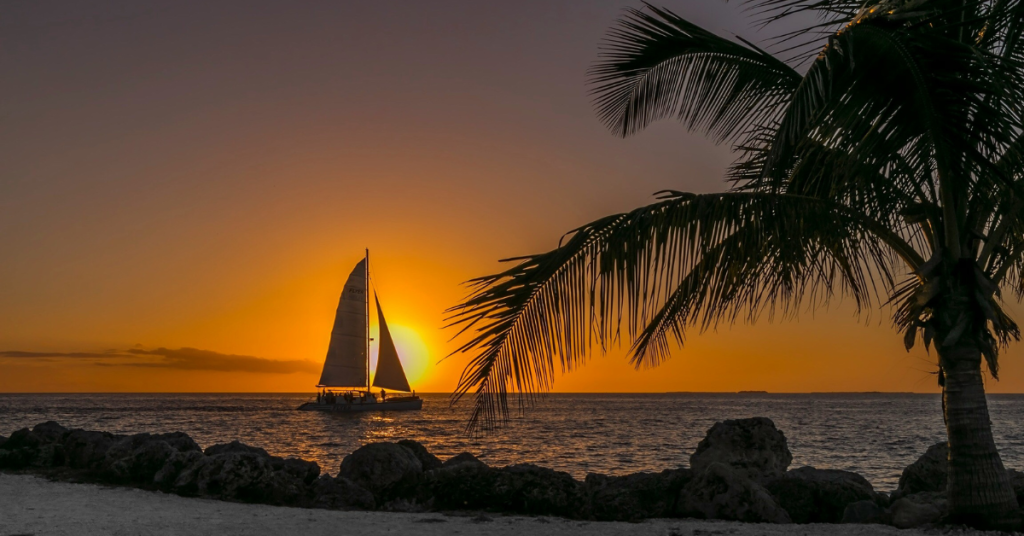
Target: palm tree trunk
{"points": [[978, 488]]}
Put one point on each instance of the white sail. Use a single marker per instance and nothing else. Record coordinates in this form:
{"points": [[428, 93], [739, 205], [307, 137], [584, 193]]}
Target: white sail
{"points": [[389, 373], [346, 364]]}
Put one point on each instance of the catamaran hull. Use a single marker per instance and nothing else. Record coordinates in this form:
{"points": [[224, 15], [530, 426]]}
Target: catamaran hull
{"points": [[357, 407]]}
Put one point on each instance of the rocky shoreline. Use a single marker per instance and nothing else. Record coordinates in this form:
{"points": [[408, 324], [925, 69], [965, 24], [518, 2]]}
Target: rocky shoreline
{"points": [[739, 472]]}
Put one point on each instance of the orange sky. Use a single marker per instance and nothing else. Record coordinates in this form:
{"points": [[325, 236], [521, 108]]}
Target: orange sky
{"points": [[181, 175]]}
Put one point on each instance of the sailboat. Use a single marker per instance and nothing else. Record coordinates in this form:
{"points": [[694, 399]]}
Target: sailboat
{"points": [[345, 381]]}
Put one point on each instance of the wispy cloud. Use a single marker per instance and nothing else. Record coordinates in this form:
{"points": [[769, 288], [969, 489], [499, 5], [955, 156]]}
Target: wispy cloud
{"points": [[195, 359], [180, 359], [43, 355]]}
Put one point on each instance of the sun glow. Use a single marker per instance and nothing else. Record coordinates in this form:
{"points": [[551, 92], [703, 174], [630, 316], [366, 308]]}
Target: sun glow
{"points": [[412, 352]]}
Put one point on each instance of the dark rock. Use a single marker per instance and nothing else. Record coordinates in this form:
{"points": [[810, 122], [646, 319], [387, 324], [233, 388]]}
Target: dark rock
{"points": [[754, 447], [340, 494], [634, 497], [386, 469], [2, 441], [812, 495], [305, 471], [918, 509], [722, 492], [234, 447], [865, 512], [463, 486], [928, 473], [465, 457], [238, 471], [427, 460], [22, 439], [33, 448], [522, 489], [167, 475], [49, 432], [1017, 481], [140, 458], [87, 450], [529, 489]]}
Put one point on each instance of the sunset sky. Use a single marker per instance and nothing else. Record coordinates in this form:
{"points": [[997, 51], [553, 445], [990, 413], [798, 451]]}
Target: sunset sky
{"points": [[184, 186]]}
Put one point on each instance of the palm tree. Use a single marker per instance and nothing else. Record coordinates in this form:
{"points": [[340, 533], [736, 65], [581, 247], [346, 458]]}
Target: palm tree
{"points": [[880, 160]]}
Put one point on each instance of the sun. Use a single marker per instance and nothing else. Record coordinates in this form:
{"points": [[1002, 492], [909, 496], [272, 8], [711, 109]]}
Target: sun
{"points": [[412, 352]]}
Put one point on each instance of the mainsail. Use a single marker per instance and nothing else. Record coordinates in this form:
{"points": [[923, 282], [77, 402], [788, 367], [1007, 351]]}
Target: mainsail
{"points": [[389, 374], [346, 364]]}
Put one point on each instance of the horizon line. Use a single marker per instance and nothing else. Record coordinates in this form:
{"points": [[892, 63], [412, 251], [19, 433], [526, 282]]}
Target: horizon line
{"points": [[446, 393]]}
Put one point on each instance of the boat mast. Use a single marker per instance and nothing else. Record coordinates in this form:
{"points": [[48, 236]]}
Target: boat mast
{"points": [[367, 295]]}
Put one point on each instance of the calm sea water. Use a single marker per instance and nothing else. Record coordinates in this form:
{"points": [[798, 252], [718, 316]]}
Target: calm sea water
{"points": [[876, 435]]}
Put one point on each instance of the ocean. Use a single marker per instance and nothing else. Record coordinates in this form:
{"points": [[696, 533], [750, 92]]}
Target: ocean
{"points": [[876, 435]]}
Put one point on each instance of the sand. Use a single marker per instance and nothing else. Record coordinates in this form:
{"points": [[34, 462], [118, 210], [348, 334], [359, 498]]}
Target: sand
{"points": [[33, 505]]}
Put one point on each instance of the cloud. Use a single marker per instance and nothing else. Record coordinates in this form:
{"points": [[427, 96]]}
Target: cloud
{"points": [[194, 359], [179, 359], [43, 355]]}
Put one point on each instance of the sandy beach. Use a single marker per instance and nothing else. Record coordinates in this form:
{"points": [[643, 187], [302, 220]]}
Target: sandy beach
{"points": [[33, 505]]}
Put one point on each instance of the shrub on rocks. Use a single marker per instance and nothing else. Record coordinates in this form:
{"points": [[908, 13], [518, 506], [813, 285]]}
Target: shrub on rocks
{"points": [[917, 509], [754, 447], [722, 492], [340, 494], [385, 469], [865, 512], [427, 460], [634, 497], [812, 495], [928, 473]]}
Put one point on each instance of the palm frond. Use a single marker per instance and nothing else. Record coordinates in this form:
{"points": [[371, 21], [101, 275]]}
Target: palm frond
{"points": [[719, 255], [658, 65]]}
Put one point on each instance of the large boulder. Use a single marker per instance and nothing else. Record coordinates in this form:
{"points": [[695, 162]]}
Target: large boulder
{"points": [[85, 449], [340, 494], [634, 497], [928, 473], [866, 512], [723, 492], [812, 495], [754, 447], [140, 458], [387, 470], [241, 472], [918, 509], [427, 460]]}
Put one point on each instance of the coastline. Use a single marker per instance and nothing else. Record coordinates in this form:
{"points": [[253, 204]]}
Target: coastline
{"points": [[30, 504]]}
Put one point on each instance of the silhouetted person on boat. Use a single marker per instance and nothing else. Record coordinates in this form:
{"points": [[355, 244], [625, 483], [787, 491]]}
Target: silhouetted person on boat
{"points": [[383, 395]]}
